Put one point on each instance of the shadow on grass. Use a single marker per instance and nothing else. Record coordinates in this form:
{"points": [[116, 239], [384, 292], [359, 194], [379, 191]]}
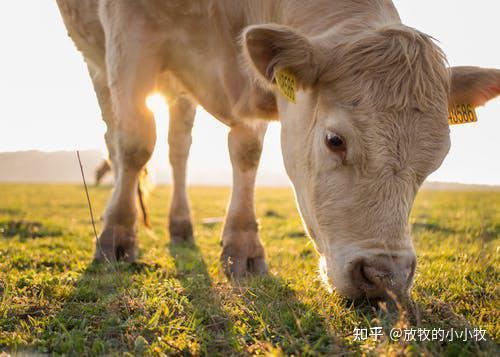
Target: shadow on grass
{"points": [[27, 230], [214, 329], [422, 226], [94, 318], [256, 315], [115, 308], [105, 313], [276, 319]]}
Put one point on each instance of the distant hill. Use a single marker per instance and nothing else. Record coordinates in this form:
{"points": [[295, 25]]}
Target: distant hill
{"points": [[62, 167], [47, 167]]}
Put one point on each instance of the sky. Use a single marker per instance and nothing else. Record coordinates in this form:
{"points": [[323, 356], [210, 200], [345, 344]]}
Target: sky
{"points": [[47, 100]]}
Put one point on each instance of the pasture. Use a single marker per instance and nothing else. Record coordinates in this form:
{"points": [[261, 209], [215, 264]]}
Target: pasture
{"points": [[176, 301]]}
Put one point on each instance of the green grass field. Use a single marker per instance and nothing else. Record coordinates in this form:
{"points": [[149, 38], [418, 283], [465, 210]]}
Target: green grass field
{"points": [[176, 301]]}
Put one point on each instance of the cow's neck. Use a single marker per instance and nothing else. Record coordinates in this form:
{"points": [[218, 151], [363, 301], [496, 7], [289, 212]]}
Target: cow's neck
{"points": [[205, 53]]}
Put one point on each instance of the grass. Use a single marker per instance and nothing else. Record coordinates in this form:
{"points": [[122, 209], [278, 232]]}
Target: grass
{"points": [[176, 301]]}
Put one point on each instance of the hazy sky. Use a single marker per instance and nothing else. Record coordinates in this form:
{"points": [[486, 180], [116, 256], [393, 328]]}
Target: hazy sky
{"points": [[47, 100]]}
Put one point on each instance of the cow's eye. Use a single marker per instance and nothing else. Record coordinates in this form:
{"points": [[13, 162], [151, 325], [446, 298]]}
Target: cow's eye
{"points": [[335, 142]]}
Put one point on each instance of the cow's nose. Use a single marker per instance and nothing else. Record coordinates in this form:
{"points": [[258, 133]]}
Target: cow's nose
{"points": [[382, 274]]}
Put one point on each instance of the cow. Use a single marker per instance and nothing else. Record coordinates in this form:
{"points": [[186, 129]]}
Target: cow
{"points": [[363, 112], [102, 171]]}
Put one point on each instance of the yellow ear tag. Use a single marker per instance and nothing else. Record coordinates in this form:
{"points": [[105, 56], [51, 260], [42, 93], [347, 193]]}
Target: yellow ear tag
{"points": [[287, 84], [462, 114]]}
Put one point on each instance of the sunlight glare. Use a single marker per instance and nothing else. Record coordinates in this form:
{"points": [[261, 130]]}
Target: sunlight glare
{"points": [[157, 104]]}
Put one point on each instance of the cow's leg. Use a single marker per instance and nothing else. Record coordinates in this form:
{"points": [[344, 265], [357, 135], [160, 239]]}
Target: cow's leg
{"points": [[182, 112], [99, 80], [132, 66], [242, 250]]}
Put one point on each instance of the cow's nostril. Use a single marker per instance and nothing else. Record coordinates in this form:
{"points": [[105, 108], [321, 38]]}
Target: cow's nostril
{"points": [[360, 278], [380, 275]]}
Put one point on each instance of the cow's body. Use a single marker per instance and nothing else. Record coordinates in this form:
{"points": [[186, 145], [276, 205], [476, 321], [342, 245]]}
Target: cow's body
{"points": [[222, 55], [201, 41]]}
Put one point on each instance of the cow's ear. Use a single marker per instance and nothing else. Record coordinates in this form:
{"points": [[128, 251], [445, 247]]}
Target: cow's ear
{"points": [[269, 48], [474, 85]]}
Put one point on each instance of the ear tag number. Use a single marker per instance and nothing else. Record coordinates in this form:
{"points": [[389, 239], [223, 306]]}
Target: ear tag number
{"points": [[287, 84], [462, 114]]}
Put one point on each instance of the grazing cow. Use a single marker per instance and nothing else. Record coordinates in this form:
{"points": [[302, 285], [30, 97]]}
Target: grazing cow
{"points": [[363, 121], [102, 171]]}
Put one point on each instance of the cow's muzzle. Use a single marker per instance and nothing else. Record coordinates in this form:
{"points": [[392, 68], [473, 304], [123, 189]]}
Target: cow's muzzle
{"points": [[384, 275]]}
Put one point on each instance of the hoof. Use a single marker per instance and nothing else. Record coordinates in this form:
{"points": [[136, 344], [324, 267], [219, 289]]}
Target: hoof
{"points": [[238, 263], [181, 232], [111, 254], [115, 247]]}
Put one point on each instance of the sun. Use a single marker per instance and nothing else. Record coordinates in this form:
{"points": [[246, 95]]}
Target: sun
{"points": [[157, 104]]}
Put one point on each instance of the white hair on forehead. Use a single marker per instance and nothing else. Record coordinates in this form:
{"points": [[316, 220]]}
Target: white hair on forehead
{"points": [[392, 68]]}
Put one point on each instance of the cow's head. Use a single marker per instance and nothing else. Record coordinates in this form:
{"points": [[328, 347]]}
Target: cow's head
{"points": [[370, 123]]}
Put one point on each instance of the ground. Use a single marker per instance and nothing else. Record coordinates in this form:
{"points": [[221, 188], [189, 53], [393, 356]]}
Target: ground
{"points": [[176, 301]]}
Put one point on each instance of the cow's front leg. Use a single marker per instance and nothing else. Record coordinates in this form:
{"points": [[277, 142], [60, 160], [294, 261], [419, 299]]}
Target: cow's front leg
{"points": [[243, 252], [132, 68], [134, 143], [182, 112]]}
